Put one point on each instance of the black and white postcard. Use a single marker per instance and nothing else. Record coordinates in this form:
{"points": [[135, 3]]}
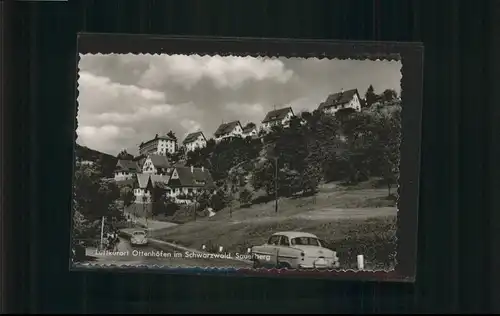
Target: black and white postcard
{"points": [[194, 154]]}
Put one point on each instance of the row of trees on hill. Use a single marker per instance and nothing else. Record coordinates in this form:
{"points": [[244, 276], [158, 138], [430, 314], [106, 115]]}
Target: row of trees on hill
{"points": [[95, 196], [349, 146]]}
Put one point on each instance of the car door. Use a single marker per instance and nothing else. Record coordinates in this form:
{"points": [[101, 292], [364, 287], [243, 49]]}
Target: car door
{"points": [[271, 250], [286, 255]]}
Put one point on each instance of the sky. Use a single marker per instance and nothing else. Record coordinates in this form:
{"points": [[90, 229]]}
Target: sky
{"points": [[125, 99]]}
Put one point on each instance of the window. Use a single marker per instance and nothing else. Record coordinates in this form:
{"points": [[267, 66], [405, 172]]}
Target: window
{"points": [[273, 240], [284, 241], [305, 241]]}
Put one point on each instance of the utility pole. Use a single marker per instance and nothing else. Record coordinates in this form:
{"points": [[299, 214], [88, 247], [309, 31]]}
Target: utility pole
{"points": [[144, 208], [276, 185], [102, 233], [194, 205]]}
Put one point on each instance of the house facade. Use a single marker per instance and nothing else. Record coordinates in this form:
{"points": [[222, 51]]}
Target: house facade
{"points": [[160, 145], [145, 184], [182, 184], [279, 117], [349, 99], [186, 183], [194, 141], [143, 188], [228, 131], [156, 164], [125, 170], [250, 131]]}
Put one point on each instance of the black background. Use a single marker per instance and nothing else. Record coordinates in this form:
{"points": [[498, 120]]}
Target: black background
{"points": [[457, 249]]}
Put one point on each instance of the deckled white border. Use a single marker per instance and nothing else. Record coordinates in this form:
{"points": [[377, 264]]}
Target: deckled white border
{"points": [[322, 272]]}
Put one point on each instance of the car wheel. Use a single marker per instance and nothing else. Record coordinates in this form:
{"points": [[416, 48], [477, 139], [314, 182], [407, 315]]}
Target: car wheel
{"points": [[284, 265]]}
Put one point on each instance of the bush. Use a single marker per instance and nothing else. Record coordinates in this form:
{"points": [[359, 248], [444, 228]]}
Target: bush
{"points": [[245, 197], [378, 246]]}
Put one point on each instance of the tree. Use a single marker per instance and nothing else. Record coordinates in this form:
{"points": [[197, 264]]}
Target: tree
{"points": [[170, 206], [263, 177], [310, 176], [389, 95], [218, 201], [127, 196], [124, 155], [177, 156], [94, 197], [245, 197], [370, 96], [250, 125], [305, 115], [171, 134], [388, 141]]}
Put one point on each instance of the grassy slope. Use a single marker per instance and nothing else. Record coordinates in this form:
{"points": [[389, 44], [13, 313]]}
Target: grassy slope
{"points": [[343, 218]]}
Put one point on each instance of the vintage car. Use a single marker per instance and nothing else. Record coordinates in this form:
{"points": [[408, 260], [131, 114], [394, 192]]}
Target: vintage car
{"points": [[294, 250], [138, 238]]}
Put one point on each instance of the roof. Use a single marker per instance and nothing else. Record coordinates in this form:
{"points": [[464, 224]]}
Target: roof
{"points": [[180, 163], [339, 98], [126, 165], [143, 180], [158, 180], [159, 161], [226, 128], [292, 234], [249, 129], [157, 137], [198, 178], [191, 137], [277, 115]]}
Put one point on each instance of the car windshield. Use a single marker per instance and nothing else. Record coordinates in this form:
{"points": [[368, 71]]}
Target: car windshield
{"points": [[139, 233], [305, 241]]}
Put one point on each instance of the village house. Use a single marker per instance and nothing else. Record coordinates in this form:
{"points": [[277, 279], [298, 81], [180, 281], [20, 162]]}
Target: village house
{"points": [[194, 141], [161, 145], [81, 162], [228, 131], [186, 183], [125, 169], [182, 185], [250, 130], [156, 164], [145, 184], [349, 99], [279, 117]]}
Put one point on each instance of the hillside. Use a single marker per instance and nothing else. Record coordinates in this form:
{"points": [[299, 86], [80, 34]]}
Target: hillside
{"points": [[349, 148], [107, 162]]}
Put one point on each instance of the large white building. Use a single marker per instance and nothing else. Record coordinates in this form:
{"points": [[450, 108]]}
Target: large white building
{"points": [[194, 141], [160, 145], [349, 99]]}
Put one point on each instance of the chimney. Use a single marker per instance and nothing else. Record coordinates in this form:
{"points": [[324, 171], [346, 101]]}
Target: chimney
{"points": [[192, 169]]}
